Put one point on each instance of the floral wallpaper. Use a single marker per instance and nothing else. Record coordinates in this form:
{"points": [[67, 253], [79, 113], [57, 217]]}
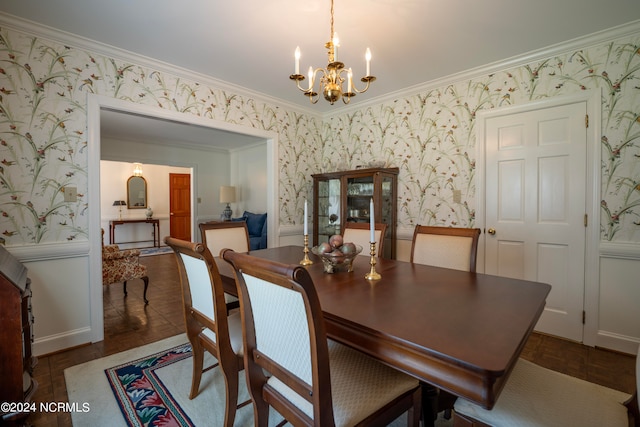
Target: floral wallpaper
{"points": [[430, 136], [43, 126]]}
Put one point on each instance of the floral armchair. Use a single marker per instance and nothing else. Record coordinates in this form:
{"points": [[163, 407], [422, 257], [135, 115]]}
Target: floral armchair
{"points": [[122, 266]]}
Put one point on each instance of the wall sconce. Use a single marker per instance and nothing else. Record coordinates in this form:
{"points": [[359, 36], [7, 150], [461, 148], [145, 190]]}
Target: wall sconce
{"points": [[137, 169], [227, 195], [120, 204]]}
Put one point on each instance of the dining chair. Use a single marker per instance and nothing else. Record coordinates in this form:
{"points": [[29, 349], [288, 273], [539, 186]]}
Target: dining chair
{"points": [[217, 235], [360, 234], [537, 396], [292, 367], [209, 325], [448, 247]]}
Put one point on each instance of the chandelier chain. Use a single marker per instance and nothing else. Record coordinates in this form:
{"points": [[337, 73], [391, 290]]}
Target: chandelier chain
{"points": [[331, 33]]}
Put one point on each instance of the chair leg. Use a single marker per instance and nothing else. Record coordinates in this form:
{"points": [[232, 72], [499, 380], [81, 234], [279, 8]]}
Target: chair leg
{"points": [[415, 413], [198, 360], [231, 383], [145, 279]]}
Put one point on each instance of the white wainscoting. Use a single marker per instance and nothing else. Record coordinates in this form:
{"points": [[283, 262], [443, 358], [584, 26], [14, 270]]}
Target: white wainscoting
{"points": [[61, 291], [619, 309], [59, 276]]}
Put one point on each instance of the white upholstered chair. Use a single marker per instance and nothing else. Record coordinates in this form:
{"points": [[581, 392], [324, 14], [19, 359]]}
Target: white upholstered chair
{"points": [[360, 234], [535, 397], [209, 326], [217, 235], [448, 247], [310, 380]]}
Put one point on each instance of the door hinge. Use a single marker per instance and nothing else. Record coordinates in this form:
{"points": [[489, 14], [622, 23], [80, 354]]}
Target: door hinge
{"points": [[584, 317], [586, 120], [586, 220]]}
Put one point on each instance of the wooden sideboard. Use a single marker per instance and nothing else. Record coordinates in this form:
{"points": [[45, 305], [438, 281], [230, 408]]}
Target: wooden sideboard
{"points": [[16, 339], [155, 223]]}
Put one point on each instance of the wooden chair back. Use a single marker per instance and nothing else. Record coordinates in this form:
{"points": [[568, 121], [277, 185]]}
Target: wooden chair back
{"points": [[217, 235], [208, 323], [360, 234], [285, 336], [448, 247]]}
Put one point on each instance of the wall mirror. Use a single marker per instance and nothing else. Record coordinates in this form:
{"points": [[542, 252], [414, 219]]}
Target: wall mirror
{"points": [[136, 193]]}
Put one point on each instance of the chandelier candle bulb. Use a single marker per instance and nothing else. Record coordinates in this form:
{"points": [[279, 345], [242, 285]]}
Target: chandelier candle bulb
{"points": [[336, 43], [350, 76], [297, 55], [367, 55], [372, 223], [311, 78]]}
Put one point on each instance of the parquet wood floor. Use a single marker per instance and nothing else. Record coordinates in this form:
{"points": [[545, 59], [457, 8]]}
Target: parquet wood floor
{"points": [[129, 323]]}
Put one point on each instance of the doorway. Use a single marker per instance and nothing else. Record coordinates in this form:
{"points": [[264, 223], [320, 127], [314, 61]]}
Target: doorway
{"points": [[96, 104], [538, 180]]}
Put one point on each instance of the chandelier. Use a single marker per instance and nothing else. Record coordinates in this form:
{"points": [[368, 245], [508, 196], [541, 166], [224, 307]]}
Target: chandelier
{"points": [[333, 77]]}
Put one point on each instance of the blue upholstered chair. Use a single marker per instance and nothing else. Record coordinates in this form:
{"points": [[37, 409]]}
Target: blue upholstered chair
{"points": [[257, 228]]}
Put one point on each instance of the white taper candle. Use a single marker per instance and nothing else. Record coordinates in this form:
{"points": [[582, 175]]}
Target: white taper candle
{"points": [[306, 231], [372, 221]]}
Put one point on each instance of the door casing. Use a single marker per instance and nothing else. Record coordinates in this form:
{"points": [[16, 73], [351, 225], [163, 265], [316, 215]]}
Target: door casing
{"points": [[593, 178]]}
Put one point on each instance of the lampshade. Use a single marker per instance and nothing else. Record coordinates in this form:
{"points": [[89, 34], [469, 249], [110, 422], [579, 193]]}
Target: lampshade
{"points": [[227, 194], [119, 203]]}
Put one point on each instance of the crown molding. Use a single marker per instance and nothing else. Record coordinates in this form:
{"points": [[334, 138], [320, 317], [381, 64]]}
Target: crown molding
{"points": [[79, 42], [568, 46]]}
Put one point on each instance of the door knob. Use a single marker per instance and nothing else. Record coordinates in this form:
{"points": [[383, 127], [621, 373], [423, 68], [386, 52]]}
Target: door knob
{"points": [[491, 231]]}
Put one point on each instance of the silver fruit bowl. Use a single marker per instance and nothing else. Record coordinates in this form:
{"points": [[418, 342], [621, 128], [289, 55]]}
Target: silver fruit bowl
{"points": [[336, 262]]}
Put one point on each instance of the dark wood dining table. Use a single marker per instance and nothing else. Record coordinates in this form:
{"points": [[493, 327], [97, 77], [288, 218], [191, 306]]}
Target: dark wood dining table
{"points": [[458, 331]]}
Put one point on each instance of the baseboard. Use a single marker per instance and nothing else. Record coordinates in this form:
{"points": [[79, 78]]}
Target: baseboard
{"points": [[64, 341], [617, 342]]}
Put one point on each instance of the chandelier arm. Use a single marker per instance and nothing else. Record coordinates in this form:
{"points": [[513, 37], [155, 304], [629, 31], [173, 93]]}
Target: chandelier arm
{"points": [[354, 89], [366, 80]]}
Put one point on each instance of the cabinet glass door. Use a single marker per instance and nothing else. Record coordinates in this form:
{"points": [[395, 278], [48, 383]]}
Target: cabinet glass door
{"points": [[388, 197], [359, 194], [328, 209]]}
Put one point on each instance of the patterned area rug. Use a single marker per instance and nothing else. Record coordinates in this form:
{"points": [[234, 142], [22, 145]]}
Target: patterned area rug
{"points": [[141, 395], [149, 386], [155, 251]]}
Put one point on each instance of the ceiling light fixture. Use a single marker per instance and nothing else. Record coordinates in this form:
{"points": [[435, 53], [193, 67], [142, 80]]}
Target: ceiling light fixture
{"points": [[332, 77], [137, 169]]}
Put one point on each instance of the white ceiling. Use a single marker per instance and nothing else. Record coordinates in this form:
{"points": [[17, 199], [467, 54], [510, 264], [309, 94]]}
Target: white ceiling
{"points": [[250, 43], [123, 126]]}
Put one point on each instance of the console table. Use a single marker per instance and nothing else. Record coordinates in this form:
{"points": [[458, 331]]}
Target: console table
{"points": [[155, 223]]}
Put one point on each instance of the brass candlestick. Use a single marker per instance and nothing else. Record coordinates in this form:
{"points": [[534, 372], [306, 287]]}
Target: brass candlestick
{"points": [[306, 260], [373, 274]]}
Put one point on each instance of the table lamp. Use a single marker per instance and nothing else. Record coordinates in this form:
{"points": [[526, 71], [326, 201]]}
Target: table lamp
{"points": [[120, 204], [227, 195]]}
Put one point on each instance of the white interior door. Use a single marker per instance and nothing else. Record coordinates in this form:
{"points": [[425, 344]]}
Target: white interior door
{"points": [[535, 207]]}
